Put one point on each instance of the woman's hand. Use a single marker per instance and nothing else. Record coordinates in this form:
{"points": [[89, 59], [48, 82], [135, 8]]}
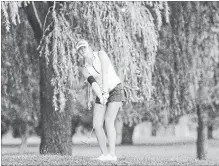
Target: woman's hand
{"points": [[105, 97], [103, 100]]}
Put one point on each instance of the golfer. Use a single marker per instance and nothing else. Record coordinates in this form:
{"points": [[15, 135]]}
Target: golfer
{"points": [[99, 72]]}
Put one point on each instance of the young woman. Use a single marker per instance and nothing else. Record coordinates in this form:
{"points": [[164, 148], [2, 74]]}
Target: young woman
{"points": [[100, 73]]}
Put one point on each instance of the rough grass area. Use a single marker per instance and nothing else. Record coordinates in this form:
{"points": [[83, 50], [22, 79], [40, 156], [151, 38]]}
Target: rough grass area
{"points": [[68, 160], [183, 153]]}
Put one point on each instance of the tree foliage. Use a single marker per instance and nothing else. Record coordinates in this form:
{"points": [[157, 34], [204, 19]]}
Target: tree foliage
{"points": [[129, 38], [198, 42], [10, 11], [188, 53], [19, 75], [127, 31]]}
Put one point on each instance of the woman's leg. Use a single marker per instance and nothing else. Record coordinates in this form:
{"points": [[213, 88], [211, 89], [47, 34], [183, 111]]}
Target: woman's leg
{"points": [[98, 119], [111, 113]]}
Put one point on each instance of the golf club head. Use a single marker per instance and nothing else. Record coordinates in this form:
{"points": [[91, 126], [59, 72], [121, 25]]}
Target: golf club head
{"points": [[85, 143]]}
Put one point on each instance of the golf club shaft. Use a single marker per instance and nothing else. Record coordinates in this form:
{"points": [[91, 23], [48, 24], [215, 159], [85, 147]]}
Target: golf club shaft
{"points": [[91, 131]]}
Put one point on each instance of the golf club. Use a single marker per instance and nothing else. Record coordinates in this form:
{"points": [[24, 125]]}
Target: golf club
{"points": [[86, 142]]}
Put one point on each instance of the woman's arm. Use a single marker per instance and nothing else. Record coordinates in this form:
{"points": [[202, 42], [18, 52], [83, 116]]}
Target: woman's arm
{"points": [[104, 59], [94, 84]]}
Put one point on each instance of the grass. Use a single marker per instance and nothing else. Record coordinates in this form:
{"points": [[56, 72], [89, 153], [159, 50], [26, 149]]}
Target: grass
{"points": [[80, 160], [150, 154]]}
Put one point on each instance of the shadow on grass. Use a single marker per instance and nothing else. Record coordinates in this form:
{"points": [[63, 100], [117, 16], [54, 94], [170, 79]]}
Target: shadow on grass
{"points": [[166, 143]]}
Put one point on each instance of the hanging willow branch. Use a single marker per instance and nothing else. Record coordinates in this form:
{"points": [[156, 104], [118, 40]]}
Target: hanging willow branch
{"points": [[10, 11], [127, 31], [59, 44], [193, 52]]}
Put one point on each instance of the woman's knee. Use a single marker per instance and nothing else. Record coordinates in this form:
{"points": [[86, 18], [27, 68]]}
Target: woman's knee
{"points": [[109, 121]]}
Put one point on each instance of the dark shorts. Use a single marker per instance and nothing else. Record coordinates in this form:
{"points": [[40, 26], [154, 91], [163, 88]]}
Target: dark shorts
{"points": [[117, 94]]}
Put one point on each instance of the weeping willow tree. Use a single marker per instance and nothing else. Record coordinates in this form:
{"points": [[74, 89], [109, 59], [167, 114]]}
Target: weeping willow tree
{"points": [[130, 39], [20, 81], [127, 31], [185, 74], [171, 96], [195, 36]]}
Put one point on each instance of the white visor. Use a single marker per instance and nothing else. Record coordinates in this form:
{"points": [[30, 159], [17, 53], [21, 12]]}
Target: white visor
{"points": [[81, 43]]}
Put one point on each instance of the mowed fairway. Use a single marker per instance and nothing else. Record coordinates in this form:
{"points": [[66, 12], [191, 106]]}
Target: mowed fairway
{"points": [[149, 154]]}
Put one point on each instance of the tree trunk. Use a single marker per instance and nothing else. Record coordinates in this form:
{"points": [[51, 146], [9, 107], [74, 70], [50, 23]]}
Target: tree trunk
{"points": [[74, 124], [210, 132], [127, 133], [23, 146], [55, 126], [154, 129], [202, 133], [24, 137]]}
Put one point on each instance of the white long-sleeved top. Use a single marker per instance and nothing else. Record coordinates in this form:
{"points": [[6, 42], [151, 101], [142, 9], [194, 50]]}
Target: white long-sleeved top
{"points": [[96, 71]]}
